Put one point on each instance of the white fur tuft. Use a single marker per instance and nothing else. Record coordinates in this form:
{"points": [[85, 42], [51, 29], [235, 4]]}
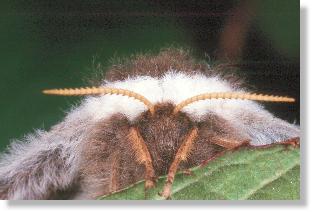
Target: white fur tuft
{"points": [[175, 87]]}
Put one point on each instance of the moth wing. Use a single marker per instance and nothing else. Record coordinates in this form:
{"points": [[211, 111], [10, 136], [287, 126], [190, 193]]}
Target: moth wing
{"points": [[43, 162], [263, 128], [222, 132]]}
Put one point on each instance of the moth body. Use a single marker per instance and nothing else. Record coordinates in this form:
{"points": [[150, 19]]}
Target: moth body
{"points": [[111, 141]]}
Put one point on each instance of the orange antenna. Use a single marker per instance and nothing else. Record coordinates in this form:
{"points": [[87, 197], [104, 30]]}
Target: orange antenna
{"points": [[232, 95], [100, 90]]}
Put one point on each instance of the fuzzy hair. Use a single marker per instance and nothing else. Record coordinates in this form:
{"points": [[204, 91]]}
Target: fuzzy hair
{"points": [[45, 163]]}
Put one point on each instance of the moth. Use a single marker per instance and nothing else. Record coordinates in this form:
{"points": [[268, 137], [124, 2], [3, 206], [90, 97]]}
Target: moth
{"points": [[151, 115]]}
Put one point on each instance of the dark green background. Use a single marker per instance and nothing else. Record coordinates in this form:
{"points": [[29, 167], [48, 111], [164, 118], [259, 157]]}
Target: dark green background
{"points": [[46, 44]]}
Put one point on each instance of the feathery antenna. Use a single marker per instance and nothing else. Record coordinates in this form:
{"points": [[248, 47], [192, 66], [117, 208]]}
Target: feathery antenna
{"points": [[205, 96], [232, 95], [100, 90]]}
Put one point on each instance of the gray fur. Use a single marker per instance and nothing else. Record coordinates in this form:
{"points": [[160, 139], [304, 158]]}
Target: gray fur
{"points": [[42, 163]]}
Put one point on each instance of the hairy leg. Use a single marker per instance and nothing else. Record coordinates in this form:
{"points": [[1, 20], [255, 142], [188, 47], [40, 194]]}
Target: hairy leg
{"points": [[294, 142], [142, 156], [109, 158], [181, 155]]}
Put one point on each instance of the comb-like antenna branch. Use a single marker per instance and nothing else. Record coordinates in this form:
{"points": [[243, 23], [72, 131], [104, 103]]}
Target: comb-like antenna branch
{"points": [[232, 95], [100, 90]]}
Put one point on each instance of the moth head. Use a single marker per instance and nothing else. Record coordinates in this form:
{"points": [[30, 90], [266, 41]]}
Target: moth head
{"points": [[164, 134]]}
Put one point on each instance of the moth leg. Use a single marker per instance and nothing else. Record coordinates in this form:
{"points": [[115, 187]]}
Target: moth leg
{"points": [[228, 144], [294, 142], [142, 156], [181, 155], [99, 175]]}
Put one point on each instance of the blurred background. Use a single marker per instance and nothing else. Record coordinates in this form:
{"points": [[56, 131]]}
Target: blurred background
{"points": [[46, 44]]}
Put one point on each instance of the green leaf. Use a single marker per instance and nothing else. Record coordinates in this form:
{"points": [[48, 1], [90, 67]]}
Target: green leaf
{"points": [[271, 173]]}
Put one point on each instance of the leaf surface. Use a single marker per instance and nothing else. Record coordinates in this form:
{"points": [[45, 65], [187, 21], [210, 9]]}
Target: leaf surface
{"points": [[272, 174]]}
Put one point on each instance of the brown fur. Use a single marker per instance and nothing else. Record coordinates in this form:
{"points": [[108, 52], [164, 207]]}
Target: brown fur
{"points": [[156, 65], [142, 155], [181, 155], [163, 134]]}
